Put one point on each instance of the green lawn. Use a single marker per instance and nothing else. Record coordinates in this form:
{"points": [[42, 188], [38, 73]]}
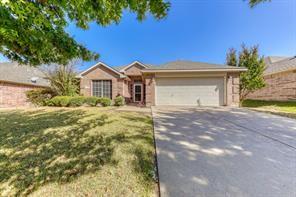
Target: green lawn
{"points": [[76, 152], [287, 108]]}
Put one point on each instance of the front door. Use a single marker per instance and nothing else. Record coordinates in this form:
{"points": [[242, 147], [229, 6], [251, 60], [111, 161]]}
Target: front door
{"points": [[138, 93]]}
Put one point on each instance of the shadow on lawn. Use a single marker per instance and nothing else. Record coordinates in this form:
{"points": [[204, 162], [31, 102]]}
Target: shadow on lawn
{"points": [[32, 155]]}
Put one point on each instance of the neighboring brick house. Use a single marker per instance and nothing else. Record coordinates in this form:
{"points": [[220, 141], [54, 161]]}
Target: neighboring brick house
{"points": [[15, 80], [280, 79], [174, 83]]}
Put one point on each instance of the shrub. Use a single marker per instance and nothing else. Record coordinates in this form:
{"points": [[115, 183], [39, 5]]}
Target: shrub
{"points": [[59, 101], [64, 101], [119, 101], [105, 101], [39, 96], [49, 102], [55, 101], [62, 78], [76, 101], [91, 100]]}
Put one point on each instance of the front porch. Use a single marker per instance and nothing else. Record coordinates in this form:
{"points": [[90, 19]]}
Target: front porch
{"points": [[136, 91]]}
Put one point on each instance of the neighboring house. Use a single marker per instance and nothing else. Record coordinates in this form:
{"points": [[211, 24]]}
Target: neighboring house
{"points": [[280, 79], [15, 80], [174, 83]]}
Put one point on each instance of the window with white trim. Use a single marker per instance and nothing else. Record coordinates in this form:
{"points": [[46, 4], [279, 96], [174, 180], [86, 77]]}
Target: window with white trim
{"points": [[102, 88]]}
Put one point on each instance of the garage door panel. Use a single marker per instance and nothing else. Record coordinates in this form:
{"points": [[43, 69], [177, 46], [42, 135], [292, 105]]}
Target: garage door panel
{"points": [[189, 91]]}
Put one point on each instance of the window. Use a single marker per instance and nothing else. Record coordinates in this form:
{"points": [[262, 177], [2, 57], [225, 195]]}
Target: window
{"points": [[102, 88]]}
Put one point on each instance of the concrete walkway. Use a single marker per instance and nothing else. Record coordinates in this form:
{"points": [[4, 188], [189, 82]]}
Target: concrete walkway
{"points": [[217, 152]]}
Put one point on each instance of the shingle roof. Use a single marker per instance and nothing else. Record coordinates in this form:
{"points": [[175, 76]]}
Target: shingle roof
{"points": [[280, 66], [119, 68], [13, 72], [273, 59], [190, 65], [183, 65]]}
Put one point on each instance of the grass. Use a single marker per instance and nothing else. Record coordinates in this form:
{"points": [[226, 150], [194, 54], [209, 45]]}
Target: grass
{"points": [[76, 152], [285, 108]]}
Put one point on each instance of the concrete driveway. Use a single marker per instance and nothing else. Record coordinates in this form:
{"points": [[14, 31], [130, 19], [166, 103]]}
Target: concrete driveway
{"points": [[224, 152]]}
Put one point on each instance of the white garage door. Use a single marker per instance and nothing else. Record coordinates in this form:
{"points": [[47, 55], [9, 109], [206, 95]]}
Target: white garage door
{"points": [[190, 91]]}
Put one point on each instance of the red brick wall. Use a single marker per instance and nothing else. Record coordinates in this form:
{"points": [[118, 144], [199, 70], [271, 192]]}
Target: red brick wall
{"points": [[134, 70], [101, 73], [150, 89], [13, 95], [280, 86]]}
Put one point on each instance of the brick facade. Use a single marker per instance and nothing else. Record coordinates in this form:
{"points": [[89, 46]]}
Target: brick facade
{"points": [[101, 73], [232, 90], [14, 95], [124, 86], [279, 86], [134, 70], [150, 89]]}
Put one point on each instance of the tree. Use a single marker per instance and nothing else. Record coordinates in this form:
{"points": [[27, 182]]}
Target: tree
{"points": [[253, 3], [231, 59], [33, 31], [252, 79], [63, 79]]}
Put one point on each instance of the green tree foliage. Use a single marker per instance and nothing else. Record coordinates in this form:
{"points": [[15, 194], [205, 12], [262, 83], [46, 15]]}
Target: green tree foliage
{"points": [[63, 79], [253, 3], [231, 58], [33, 31], [252, 79]]}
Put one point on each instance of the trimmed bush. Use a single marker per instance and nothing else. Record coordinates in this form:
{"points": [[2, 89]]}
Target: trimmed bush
{"points": [[39, 96], [105, 101], [64, 101], [91, 100], [55, 101], [49, 102], [76, 101], [119, 101], [59, 101]]}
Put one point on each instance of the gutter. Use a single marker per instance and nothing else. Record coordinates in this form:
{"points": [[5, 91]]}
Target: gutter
{"points": [[25, 84]]}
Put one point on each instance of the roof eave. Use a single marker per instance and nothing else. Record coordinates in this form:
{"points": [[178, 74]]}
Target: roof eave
{"points": [[194, 70], [279, 72], [27, 84], [131, 64], [103, 64]]}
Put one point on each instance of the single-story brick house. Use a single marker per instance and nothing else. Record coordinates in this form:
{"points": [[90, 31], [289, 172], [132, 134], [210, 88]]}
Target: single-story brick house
{"points": [[280, 79], [173, 83], [15, 80]]}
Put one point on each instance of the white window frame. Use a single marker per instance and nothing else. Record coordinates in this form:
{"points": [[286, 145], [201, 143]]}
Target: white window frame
{"points": [[102, 87], [134, 92]]}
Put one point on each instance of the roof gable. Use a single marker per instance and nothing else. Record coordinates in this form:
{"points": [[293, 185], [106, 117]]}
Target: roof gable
{"points": [[133, 64], [98, 65]]}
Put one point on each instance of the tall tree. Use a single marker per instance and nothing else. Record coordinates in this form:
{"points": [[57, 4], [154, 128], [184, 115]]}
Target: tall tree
{"points": [[33, 31], [231, 58], [252, 79]]}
